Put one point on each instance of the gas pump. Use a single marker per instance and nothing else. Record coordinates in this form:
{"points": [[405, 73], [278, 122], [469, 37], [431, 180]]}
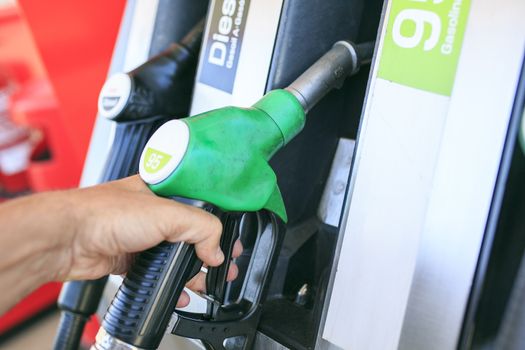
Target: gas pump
{"points": [[282, 39], [397, 238]]}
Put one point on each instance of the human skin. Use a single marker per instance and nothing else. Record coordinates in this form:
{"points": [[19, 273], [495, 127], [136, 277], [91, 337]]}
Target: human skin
{"points": [[92, 232]]}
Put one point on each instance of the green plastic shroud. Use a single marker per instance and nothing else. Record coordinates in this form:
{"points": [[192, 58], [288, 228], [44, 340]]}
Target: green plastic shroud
{"points": [[226, 162]]}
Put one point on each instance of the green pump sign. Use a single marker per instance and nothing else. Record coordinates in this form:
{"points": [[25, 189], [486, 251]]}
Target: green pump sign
{"points": [[423, 43], [155, 160]]}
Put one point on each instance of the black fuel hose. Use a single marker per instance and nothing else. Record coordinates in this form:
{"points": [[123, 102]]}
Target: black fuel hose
{"points": [[78, 301]]}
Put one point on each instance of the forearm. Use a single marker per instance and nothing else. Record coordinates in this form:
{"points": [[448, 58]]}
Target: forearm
{"points": [[35, 233]]}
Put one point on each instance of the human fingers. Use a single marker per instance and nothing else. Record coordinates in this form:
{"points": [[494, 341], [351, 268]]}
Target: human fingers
{"points": [[192, 225], [198, 282], [206, 238], [184, 299], [237, 249], [122, 217]]}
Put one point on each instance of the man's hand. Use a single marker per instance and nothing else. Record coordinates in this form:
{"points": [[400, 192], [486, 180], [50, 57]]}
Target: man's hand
{"points": [[123, 217], [92, 232]]}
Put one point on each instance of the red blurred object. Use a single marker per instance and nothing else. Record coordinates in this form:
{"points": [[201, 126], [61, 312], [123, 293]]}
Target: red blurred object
{"points": [[14, 183], [35, 104], [42, 298], [75, 40], [90, 332], [56, 54], [15, 148]]}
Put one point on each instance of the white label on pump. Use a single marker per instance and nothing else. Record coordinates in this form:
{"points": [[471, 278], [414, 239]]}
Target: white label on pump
{"points": [[114, 95], [239, 36], [164, 151]]}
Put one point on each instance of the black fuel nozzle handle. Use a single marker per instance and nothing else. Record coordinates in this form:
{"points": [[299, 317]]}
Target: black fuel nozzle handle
{"points": [[157, 87], [140, 312], [142, 308], [144, 304]]}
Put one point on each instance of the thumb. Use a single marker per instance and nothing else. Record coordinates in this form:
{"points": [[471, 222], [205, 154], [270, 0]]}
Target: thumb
{"points": [[204, 231]]}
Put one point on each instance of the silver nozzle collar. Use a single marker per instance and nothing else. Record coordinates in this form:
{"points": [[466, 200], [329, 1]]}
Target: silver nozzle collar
{"points": [[105, 341]]}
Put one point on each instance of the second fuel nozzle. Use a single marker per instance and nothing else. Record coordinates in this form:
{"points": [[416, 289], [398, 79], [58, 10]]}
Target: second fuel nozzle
{"points": [[160, 86]]}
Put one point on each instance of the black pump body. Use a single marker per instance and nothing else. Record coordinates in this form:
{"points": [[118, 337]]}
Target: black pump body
{"points": [[270, 309], [277, 40]]}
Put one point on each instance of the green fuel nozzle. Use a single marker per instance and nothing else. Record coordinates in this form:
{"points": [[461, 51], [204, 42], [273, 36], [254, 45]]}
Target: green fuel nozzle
{"points": [[221, 157]]}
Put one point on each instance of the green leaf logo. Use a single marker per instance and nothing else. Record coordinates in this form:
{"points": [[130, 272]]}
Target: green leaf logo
{"points": [[155, 160]]}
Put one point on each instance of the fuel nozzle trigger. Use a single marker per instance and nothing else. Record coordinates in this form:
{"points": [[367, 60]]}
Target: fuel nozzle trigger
{"points": [[216, 276], [232, 324]]}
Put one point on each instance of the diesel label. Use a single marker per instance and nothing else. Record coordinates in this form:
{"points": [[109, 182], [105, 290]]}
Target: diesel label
{"points": [[223, 44]]}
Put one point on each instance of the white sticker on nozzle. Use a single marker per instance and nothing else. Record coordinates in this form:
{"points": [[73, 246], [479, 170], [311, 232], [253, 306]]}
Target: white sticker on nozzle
{"points": [[164, 151], [114, 95]]}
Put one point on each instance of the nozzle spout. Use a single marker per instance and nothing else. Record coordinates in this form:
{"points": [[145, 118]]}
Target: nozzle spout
{"points": [[343, 60]]}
